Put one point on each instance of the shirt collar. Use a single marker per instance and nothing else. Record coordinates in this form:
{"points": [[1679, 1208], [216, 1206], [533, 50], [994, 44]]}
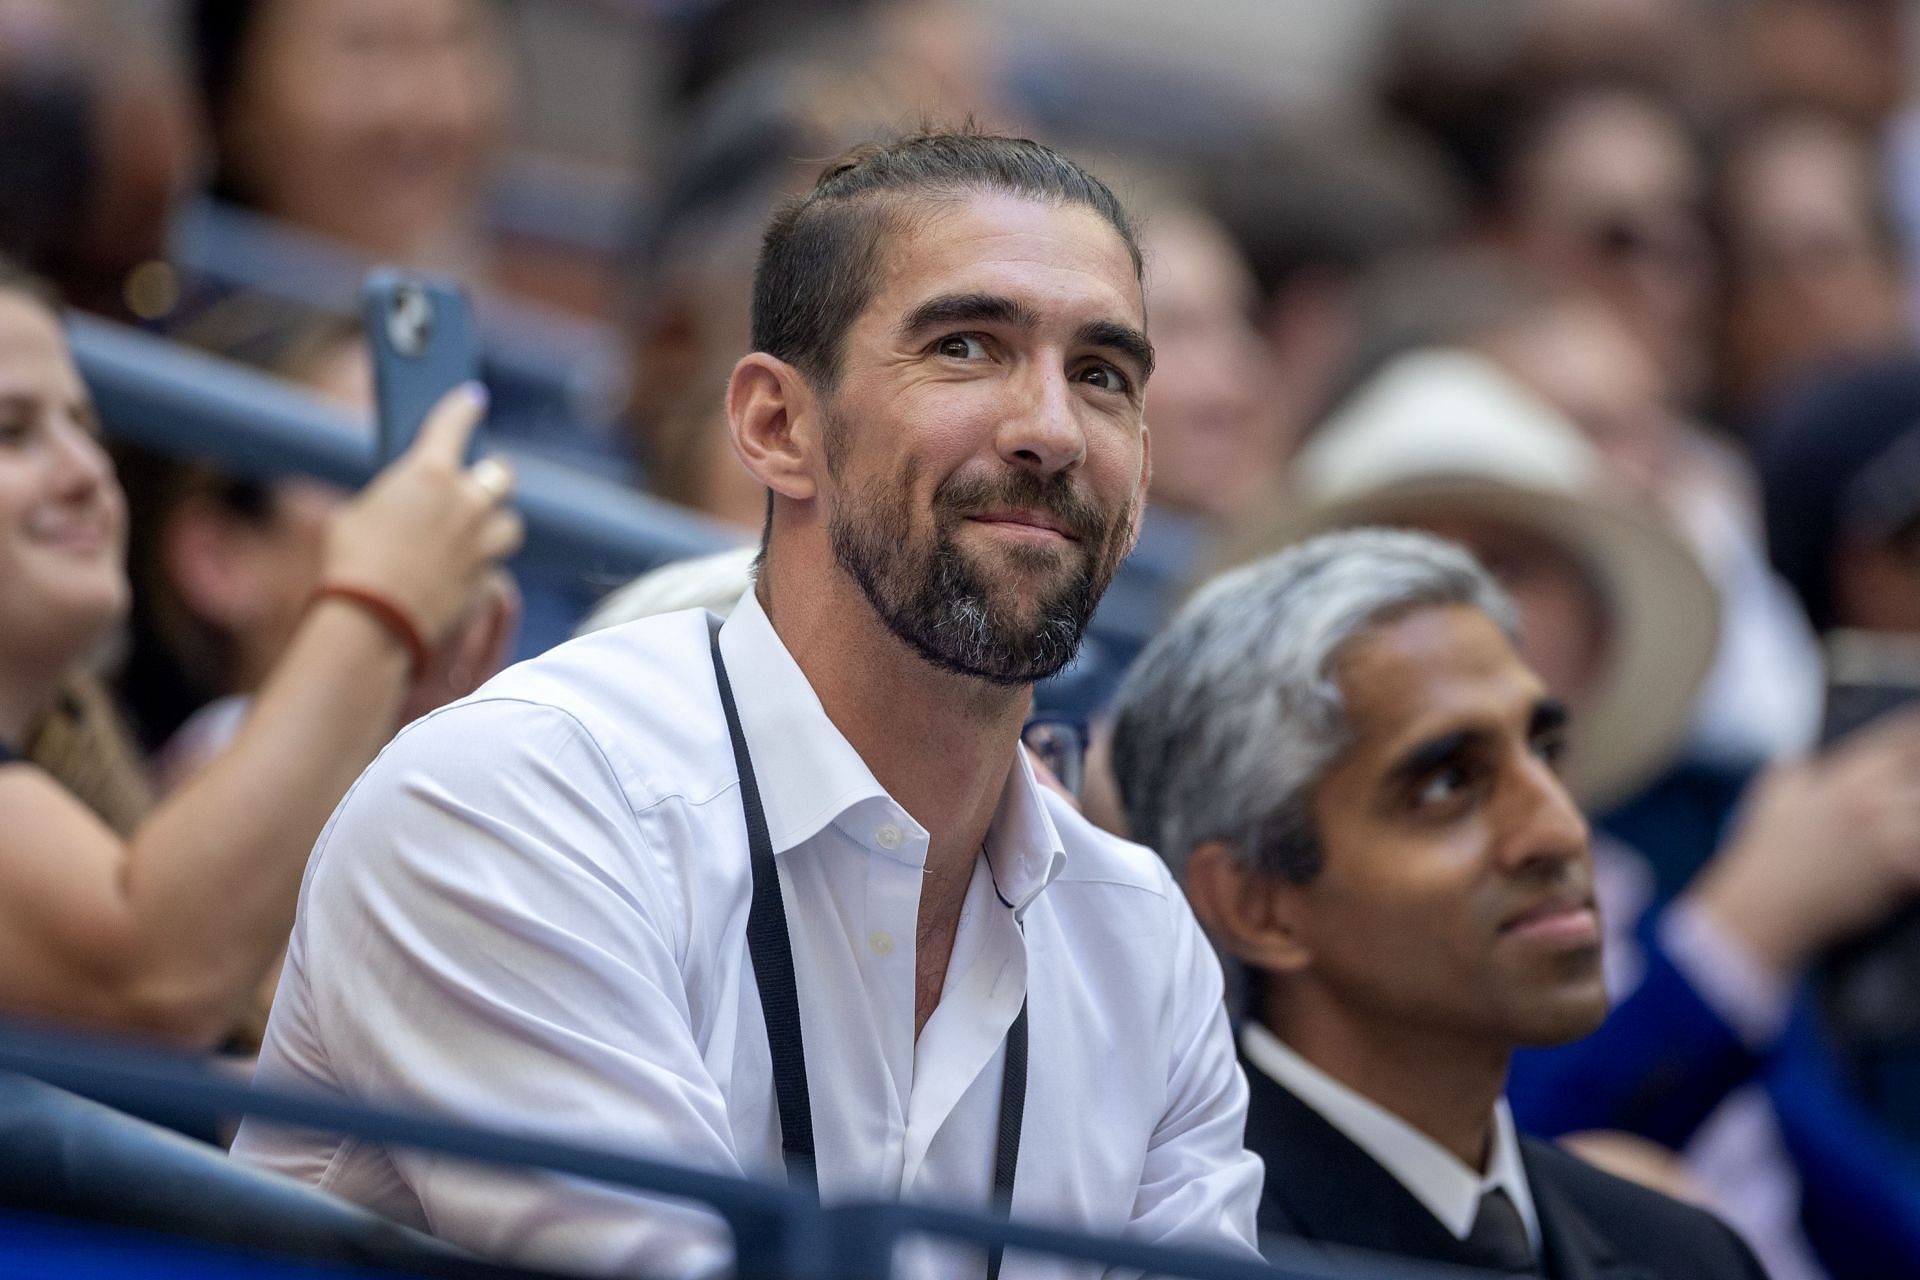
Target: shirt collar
{"points": [[1434, 1176], [804, 791], [1024, 850]]}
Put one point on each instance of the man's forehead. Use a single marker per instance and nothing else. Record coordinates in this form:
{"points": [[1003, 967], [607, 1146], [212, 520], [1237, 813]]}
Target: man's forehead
{"points": [[1433, 666], [1062, 259]]}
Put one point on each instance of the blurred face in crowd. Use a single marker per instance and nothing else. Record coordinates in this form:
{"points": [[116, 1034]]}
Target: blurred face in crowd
{"points": [[370, 120], [1563, 625], [1579, 357], [1844, 56], [1814, 273], [275, 566], [1217, 433], [1455, 896], [1608, 200], [62, 518], [985, 446]]}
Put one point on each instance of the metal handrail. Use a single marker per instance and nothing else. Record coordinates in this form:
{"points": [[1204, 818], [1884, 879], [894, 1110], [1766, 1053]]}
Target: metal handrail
{"points": [[167, 397], [779, 1234], [579, 361]]}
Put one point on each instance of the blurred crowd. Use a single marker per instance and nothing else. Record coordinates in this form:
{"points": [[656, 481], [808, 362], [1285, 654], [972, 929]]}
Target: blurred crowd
{"points": [[1615, 293]]}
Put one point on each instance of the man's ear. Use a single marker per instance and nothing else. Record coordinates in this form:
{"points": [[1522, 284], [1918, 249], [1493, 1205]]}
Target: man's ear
{"points": [[1255, 916], [774, 420]]}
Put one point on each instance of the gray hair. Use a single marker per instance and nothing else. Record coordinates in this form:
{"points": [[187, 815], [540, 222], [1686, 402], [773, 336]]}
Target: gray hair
{"points": [[1233, 714]]}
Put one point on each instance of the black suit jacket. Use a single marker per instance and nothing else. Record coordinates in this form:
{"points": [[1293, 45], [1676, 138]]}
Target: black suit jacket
{"points": [[1323, 1188]]}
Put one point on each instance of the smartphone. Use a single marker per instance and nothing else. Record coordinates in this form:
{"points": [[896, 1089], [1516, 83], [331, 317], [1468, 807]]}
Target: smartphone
{"points": [[1869, 673], [425, 343]]}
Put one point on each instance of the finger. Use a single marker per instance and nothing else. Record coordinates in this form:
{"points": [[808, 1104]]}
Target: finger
{"points": [[1897, 731], [451, 423], [502, 535], [505, 614], [493, 476]]}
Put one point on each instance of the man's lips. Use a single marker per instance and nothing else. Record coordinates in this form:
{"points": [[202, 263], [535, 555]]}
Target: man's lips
{"points": [[1036, 523], [1567, 918]]}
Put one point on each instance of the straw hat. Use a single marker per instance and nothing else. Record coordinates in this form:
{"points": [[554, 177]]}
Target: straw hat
{"points": [[1445, 432]]}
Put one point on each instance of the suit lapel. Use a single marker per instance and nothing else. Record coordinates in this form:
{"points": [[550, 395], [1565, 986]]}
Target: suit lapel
{"points": [[1574, 1249], [1322, 1187]]}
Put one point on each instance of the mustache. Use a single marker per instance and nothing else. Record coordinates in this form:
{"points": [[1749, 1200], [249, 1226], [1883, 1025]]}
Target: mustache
{"points": [[965, 495]]}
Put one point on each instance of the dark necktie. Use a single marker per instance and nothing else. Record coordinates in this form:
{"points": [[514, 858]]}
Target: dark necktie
{"points": [[1498, 1240]]}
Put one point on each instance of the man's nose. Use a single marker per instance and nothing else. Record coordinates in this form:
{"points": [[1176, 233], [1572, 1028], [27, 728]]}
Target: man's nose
{"points": [[1041, 430], [1544, 823]]}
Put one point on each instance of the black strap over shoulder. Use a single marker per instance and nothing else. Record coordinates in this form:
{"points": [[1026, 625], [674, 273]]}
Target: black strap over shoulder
{"points": [[772, 952]]}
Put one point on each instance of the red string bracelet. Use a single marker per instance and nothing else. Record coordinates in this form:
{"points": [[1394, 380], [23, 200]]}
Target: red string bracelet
{"points": [[385, 612]]}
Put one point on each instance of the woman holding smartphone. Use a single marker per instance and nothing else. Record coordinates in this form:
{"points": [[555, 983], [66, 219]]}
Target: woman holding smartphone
{"points": [[166, 922]]}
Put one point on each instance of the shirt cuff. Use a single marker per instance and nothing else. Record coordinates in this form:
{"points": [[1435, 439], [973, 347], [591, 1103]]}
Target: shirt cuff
{"points": [[1736, 985]]}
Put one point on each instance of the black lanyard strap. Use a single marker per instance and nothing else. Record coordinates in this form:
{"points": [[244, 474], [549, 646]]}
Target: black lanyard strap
{"points": [[772, 952]]}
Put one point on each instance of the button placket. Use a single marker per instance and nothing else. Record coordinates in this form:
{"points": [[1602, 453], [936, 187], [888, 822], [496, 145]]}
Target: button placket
{"points": [[892, 907]]}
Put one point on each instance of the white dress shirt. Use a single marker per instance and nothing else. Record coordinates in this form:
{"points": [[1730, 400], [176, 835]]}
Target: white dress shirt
{"points": [[530, 913], [1437, 1178]]}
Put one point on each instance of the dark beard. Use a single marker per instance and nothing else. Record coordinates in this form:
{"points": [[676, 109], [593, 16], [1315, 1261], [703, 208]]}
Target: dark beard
{"points": [[932, 598]]}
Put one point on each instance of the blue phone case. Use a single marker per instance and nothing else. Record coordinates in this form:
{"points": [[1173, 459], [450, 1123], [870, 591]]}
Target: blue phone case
{"points": [[424, 344]]}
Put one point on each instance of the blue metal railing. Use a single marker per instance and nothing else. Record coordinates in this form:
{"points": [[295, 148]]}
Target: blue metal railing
{"points": [[530, 351], [779, 1234], [164, 396]]}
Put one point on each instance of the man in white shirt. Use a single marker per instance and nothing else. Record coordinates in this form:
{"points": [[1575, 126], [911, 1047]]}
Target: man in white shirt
{"points": [[1360, 778], [533, 910]]}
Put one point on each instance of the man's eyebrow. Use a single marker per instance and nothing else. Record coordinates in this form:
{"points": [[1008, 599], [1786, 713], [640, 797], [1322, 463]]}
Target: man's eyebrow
{"points": [[1124, 338], [969, 308], [1423, 758]]}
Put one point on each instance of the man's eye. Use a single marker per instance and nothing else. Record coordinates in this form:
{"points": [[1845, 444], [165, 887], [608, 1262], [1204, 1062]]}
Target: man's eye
{"points": [[1106, 377], [1551, 748], [14, 432], [962, 346], [1441, 786]]}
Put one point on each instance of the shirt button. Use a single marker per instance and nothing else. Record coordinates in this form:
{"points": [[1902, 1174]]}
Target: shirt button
{"points": [[888, 836], [881, 941]]}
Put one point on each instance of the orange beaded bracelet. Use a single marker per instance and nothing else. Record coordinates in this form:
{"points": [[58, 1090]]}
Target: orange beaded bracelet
{"points": [[385, 612]]}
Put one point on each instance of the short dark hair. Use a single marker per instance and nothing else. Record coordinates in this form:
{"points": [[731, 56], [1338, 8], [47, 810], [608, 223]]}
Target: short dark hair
{"points": [[820, 260], [17, 278]]}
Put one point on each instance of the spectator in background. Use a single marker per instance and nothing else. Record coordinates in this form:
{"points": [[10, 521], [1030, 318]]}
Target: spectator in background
{"points": [[1602, 188], [1354, 775], [97, 142], [1316, 209], [1573, 351], [1814, 270], [165, 923], [688, 285], [373, 122], [1762, 699], [223, 566], [1705, 1052], [1838, 464]]}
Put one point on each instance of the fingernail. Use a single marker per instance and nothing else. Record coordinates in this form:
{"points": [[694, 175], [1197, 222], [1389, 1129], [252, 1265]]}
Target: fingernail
{"points": [[476, 393]]}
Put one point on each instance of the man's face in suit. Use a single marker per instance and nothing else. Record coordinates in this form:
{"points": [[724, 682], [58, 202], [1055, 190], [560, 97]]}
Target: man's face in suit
{"points": [[1454, 902]]}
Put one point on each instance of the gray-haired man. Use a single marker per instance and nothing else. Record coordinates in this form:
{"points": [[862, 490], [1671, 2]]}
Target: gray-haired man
{"points": [[1355, 775]]}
